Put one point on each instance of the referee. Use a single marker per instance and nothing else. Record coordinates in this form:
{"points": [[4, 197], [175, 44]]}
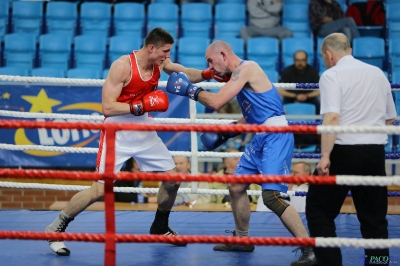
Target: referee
{"points": [[357, 94]]}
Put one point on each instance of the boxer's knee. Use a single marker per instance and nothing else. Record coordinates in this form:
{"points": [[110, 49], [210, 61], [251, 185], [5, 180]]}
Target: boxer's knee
{"points": [[274, 201], [97, 190], [236, 189]]}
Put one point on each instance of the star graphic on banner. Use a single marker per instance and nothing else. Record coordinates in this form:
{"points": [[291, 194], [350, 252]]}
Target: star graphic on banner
{"points": [[5, 95], [41, 102]]}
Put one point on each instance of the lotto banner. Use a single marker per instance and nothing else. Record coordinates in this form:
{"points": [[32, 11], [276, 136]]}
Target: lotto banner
{"points": [[67, 100]]}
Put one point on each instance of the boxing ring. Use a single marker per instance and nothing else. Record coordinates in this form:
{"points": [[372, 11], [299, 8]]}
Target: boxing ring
{"points": [[200, 230]]}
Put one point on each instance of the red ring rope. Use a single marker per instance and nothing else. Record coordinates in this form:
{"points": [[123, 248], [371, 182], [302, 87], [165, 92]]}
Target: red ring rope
{"points": [[76, 175], [160, 127], [126, 238]]}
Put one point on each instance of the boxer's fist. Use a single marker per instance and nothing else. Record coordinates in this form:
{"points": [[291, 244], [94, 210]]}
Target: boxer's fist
{"points": [[178, 83], [209, 74], [212, 140], [155, 101]]}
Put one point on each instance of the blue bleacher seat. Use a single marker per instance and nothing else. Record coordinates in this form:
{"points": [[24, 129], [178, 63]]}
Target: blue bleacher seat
{"points": [[320, 63], [264, 51], [164, 1], [95, 18], [370, 31], [370, 50], [301, 109], [237, 45], [55, 51], [19, 50], [196, 19], [295, 18], [129, 19], [299, 29], [191, 47], [83, 73], [197, 62], [394, 53], [90, 51], [27, 17], [393, 29], [396, 76], [295, 12], [105, 73], [48, 72], [163, 15], [393, 19], [14, 71], [272, 75], [289, 2], [232, 1], [4, 9], [291, 45], [122, 45], [229, 19], [61, 18]]}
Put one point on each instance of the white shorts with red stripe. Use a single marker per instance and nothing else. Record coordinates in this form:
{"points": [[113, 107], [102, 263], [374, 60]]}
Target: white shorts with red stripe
{"points": [[145, 147]]}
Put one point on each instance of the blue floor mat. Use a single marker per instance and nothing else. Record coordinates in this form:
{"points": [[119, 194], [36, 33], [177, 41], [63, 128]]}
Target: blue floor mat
{"points": [[21, 252]]}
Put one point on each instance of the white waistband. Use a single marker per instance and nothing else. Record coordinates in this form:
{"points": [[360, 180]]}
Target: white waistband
{"points": [[276, 121], [129, 118]]}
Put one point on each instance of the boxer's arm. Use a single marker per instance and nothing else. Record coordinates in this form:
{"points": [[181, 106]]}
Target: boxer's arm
{"points": [[194, 74], [112, 88], [239, 78]]}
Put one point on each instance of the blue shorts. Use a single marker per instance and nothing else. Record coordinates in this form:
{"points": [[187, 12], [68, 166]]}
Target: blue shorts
{"points": [[268, 154]]}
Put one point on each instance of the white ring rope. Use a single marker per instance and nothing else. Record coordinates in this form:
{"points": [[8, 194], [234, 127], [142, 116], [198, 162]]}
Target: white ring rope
{"points": [[204, 154], [356, 243], [100, 82]]}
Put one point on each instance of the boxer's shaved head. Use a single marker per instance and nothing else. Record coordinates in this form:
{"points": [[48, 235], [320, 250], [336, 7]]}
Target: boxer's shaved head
{"points": [[219, 46]]}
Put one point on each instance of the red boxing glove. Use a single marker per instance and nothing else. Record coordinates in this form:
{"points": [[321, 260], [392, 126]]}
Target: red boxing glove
{"points": [[209, 74], [155, 101]]}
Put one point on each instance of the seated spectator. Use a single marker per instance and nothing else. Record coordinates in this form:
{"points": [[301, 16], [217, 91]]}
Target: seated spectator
{"points": [[300, 72], [229, 169], [182, 165], [327, 16], [264, 20], [300, 169]]}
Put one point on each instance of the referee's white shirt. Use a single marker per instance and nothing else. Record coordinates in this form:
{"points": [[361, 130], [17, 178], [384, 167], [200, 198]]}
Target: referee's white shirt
{"points": [[361, 94]]}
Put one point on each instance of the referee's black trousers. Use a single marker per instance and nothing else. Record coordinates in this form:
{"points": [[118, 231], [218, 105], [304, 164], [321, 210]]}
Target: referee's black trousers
{"points": [[323, 202]]}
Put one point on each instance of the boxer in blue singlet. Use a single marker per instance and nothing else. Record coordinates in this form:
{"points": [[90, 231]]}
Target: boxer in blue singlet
{"points": [[268, 153]]}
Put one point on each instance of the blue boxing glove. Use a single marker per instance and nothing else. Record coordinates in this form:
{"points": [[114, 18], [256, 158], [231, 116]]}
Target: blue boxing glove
{"points": [[212, 140], [178, 83]]}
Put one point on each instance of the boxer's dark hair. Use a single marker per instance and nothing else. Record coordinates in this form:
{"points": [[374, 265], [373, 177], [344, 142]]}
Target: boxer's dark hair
{"points": [[158, 37]]}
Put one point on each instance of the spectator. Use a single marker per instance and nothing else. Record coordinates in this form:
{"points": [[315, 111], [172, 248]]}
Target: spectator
{"points": [[182, 165], [300, 72], [327, 16], [228, 169], [300, 169], [264, 20]]}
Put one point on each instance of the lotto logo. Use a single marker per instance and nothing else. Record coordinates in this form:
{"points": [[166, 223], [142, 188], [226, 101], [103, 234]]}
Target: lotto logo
{"points": [[178, 85]]}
